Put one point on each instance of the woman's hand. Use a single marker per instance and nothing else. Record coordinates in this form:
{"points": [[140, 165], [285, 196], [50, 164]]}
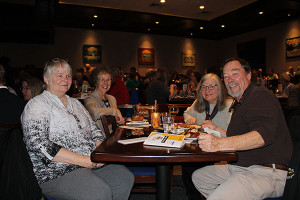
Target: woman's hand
{"points": [[191, 121], [85, 161], [208, 124], [119, 118]]}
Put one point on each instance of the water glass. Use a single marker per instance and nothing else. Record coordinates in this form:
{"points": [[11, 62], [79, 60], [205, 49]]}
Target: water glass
{"points": [[168, 124]]}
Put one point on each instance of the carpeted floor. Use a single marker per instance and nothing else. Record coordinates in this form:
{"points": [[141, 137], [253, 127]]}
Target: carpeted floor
{"points": [[178, 191]]}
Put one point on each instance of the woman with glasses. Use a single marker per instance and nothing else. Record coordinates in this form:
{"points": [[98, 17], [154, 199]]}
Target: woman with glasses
{"points": [[211, 108], [99, 102], [31, 87], [60, 135]]}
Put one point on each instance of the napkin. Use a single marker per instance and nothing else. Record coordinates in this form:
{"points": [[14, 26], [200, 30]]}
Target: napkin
{"points": [[132, 141], [130, 127], [213, 132]]}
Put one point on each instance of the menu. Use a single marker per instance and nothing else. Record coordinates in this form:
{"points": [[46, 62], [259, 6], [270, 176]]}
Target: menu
{"points": [[165, 140]]}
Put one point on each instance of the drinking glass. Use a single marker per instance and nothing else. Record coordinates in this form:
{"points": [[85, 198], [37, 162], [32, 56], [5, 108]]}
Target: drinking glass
{"points": [[155, 120], [168, 124], [173, 110]]}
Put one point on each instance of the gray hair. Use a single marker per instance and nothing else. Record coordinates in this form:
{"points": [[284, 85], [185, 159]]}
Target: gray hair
{"points": [[222, 94], [51, 65]]}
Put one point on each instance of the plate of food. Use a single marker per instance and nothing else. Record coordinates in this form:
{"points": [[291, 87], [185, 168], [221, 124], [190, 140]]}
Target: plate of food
{"points": [[136, 133], [192, 134], [137, 119], [181, 127]]}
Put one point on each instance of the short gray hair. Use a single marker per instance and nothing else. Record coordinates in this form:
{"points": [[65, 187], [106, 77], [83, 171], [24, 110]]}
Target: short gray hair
{"points": [[51, 65]]}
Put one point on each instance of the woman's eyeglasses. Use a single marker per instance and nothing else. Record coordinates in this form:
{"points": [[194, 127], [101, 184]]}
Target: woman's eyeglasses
{"points": [[25, 88], [210, 87], [104, 80]]}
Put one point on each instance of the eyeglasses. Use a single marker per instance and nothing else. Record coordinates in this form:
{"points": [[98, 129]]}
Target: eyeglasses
{"points": [[210, 87], [25, 88], [59, 60], [104, 80]]}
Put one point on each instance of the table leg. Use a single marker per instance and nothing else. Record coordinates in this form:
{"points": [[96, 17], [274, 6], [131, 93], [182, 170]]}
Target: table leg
{"points": [[163, 182]]}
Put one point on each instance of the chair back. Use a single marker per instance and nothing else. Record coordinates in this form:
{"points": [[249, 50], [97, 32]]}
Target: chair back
{"points": [[109, 124], [16, 170]]}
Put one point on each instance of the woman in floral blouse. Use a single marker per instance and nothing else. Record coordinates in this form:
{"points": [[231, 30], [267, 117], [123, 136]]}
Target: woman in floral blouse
{"points": [[60, 136]]}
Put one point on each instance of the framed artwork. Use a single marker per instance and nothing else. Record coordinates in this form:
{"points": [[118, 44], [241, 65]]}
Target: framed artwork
{"points": [[146, 56], [91, 53], [188, 58], [293, 47]]}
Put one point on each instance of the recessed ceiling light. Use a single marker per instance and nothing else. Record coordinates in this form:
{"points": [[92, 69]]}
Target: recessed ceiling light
{"points": [[191, 34], [223, 26], [201, 27], [149, 29], [201, 7], [93, 25], [289, 15], [95, 16], [157, 22], [261, 13], [162, 1]]}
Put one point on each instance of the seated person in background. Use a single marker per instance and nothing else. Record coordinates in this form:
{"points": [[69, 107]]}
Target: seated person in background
{"points": [[259, 134], [99, 103], [158, 88], [211, 105], [31, 87], [192, 85], [11, 106], [294, 96], [60, 135], [272, 75], [118, 88]]}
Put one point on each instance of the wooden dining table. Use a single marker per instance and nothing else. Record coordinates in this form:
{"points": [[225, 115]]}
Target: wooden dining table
{"points": [[110, 151]]}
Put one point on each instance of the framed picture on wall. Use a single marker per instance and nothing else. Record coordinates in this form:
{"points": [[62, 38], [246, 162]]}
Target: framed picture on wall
{"points": [[188, 58], [293, 47], [91, 53], [146, 56]]}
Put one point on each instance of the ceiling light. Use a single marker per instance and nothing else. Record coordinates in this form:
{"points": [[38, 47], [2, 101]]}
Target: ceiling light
{"points": [[157, 22], [162, 1], [261, 13], [201, 7], [289, 15], [191, 34], [95, 16], [149, 29], [93, 25], [223, 26], [201, 27]]}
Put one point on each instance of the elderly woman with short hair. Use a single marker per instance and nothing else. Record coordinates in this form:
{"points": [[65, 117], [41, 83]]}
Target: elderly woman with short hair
{"points": [[60, 136], [99, 102]]}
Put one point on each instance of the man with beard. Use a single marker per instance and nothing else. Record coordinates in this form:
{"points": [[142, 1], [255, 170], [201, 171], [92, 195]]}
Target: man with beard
{"points": [[259, 134]]}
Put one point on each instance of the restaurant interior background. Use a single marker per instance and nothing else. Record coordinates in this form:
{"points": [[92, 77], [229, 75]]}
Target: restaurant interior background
{"points": [[27, 48]]}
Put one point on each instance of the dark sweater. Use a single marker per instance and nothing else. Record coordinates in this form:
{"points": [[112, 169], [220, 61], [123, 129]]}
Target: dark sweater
{"points": [[260, 111]]}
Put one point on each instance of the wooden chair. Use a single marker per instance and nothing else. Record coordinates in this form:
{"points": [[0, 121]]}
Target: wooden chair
{"points": [[145, 177], [109, 124]]}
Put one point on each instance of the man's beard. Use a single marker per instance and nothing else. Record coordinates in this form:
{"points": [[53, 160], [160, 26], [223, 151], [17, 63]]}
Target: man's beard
{"points": [[236, 94]]}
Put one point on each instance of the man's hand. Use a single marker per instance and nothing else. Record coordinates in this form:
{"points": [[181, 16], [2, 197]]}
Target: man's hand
{"points": [[209, 143], [191, 121]]}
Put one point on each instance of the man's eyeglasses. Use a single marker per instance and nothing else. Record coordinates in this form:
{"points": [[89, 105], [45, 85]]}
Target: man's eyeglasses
{"points": [[210, 87]]}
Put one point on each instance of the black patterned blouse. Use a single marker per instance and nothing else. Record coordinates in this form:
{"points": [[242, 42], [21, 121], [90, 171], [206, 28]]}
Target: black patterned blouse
{"points": [[49, 126]]}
